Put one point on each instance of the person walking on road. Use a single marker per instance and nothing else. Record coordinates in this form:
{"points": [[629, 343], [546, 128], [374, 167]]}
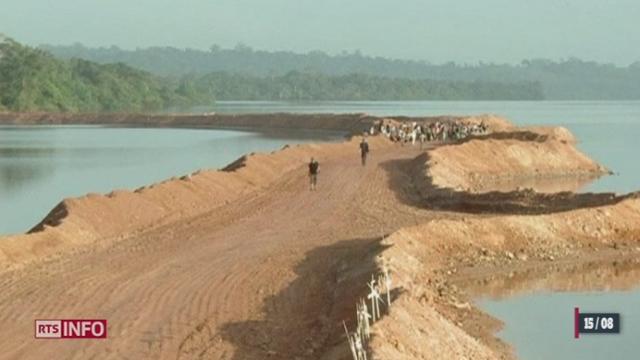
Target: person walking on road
{"points": [[364, 150], [313, 174]]}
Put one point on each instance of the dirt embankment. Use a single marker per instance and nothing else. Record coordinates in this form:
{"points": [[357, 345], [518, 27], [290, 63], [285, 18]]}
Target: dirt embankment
{"points": [[517, 170], [119, 214], [438, 266], [346, 122], [541, 159], [354, 123], [433, 317]]}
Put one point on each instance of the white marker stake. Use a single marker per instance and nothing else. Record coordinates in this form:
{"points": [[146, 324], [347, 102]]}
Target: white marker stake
{"points": [[387, 285], [363, 320], [362, 354], [365, 316], [351, 343], [380, 283], [374, 295], [360, 328]]}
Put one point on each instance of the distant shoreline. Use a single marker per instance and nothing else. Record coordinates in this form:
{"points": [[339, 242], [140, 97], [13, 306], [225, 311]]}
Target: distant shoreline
{"points": [[353, 123]]}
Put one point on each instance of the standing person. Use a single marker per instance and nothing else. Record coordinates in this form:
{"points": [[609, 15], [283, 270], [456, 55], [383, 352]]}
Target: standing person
{"points": [[313, 174], [364, 150]]}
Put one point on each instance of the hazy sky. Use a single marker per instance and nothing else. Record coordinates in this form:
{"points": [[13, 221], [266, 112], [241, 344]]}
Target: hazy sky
{"points": [[434, 30]]}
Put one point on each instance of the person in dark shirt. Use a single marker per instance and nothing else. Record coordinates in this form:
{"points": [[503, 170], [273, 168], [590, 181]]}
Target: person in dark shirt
{"points": [[313, 174], [364, 150]]}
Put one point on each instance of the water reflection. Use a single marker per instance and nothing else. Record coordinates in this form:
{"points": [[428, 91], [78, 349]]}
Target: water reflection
{"points": [[14, 177], [601, 275]]}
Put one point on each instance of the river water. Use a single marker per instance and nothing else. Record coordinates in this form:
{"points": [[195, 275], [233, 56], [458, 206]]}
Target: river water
{"points": [[41, 165], [540, 325], [538, 310]]}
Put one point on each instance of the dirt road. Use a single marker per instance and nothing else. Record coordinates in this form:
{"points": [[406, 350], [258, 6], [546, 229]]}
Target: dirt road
{"points": [[271, 274]]}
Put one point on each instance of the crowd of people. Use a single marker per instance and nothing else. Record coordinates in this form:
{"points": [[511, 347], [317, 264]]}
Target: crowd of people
{"points": [[405, 132], [433, 131]]}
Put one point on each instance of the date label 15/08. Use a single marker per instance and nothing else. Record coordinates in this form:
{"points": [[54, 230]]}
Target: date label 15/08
{"points": [[595, 323]]}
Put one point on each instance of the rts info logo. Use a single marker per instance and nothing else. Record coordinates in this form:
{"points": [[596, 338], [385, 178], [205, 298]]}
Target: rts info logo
{"points": [[71, 329]]}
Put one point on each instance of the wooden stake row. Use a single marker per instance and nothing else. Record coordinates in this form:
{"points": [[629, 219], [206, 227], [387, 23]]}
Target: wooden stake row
{"points": [[359, 338]]}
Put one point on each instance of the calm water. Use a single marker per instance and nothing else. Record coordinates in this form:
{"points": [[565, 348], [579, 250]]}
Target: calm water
{"points": [[39, 166], [540, 326]]}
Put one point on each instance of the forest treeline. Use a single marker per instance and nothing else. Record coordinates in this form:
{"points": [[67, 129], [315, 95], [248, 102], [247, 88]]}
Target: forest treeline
{"points": [[309, 86], [570, 79], [34, 79]]}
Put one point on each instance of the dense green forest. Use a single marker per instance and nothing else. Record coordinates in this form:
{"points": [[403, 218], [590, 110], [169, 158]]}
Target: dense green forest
{"points": [[314, 86], [571, 79], [32, 79]]}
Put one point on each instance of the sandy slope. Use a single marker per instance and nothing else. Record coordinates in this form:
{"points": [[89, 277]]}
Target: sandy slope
{"points": [[95, 217], [508, 160], [249, 264], [224, 283]]}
